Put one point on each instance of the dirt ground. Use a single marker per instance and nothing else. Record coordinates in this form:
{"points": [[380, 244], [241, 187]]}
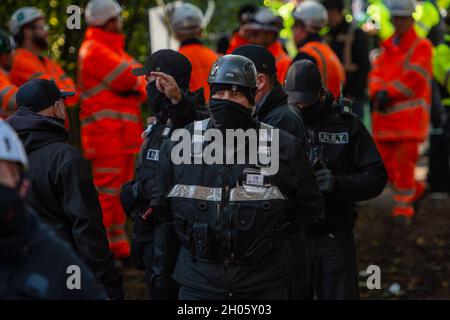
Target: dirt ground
{"points": [[414, 260]]}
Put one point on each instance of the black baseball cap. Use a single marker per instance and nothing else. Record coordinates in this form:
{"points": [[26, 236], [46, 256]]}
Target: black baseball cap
{"points": [[262, 58], [170, 62], [39, 94], [303, 82]]}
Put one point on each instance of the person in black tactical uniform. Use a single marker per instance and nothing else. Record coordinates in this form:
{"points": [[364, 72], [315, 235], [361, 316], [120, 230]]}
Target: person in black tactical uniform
{"points": [[348, 169], [33, 261], [273, 109], [232, 220], [62, 191], [168, 115], [271, 99]]}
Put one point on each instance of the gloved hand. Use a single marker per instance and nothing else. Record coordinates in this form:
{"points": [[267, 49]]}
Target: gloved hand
{"points": [[325, 180], [128, 198], [382, 100]]}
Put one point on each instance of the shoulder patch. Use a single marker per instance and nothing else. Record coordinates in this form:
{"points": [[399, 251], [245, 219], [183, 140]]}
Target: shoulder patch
{"points": [[153, 154], [333, 138], [166, 132]]}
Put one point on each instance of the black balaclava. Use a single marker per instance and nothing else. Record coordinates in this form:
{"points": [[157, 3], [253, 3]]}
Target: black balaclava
{"points": [[313, 113], [227, 114], [171, 63]]}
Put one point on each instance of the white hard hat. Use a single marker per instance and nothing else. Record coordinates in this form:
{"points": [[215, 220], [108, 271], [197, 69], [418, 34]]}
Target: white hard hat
{"points": [[11, 148], [22, 16], [401, 8], [99, 12], [185, 17], [264, 19], [313, 14]]}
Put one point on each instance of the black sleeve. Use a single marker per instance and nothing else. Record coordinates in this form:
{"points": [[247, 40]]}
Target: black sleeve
{"points": [[81, 206], [185, 112], [165, 240], [370, 175], [290, 122], [304, 56], [308, 205]]}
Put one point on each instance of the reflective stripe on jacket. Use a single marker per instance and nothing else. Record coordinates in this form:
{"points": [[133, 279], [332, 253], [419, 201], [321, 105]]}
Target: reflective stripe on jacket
{"points": [[331, 69], [110, 96], [27, 66], [7, 94], [404, 71]]}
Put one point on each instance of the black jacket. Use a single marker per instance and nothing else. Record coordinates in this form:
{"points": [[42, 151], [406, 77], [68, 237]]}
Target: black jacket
{"points": [[341, 141], [233, 240], [276, 112], [356, 61], [63, 194], [34, 265]]}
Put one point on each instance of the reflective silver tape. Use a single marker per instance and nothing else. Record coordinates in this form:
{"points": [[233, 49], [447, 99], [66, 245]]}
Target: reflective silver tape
{"points": [[195, 192], [271, 193], [110, 114], [402, 88]]}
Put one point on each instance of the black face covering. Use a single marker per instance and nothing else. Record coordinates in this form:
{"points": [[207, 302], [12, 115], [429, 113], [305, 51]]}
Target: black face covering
{"points": [[12, 212], [312, 114], [173, 64], [156, 99], [230, 115]]}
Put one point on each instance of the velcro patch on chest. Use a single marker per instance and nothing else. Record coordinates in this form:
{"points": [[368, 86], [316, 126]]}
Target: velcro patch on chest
{"points": [[166, 132], [153, 154], [333, 138]]}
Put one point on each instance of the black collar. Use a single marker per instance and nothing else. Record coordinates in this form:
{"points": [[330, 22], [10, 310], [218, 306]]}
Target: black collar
{"points": [[310, 38], [190, 41], [275, 98]]}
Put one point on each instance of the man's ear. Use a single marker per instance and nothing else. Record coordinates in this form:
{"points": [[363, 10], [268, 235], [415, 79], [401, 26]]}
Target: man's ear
{"points": [[261, 81]]}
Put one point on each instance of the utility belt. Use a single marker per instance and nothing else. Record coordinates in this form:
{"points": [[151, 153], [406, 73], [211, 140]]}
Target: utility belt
{"points": [[198, 239]]}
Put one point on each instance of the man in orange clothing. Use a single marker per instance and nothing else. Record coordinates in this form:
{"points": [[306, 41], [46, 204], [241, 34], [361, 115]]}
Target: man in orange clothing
{"points": [[310, 17], [263, 30], [187, 23], [400, 91], [239, 37], [30, 32], [110, 113], [7, 89]]}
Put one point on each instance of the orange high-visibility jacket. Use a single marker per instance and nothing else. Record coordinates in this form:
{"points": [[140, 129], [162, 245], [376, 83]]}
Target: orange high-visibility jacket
{"points": [[236, 41], [404, 70], [7, 94], [282, 60], [26, 66], [202, 59], [331, 69], [110, 94]]}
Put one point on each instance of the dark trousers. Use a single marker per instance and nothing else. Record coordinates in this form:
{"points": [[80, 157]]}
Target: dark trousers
{"points": [[281, 293], [332, 267], [298, 247]]}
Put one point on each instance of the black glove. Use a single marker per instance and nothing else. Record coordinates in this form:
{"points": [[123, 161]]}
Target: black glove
{"points": [[128, 198], [325, 180], [382, 100]]}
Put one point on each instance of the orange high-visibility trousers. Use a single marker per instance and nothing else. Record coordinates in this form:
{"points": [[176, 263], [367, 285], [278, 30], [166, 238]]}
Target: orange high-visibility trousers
{"points": [[400, 158], [109, 174]]}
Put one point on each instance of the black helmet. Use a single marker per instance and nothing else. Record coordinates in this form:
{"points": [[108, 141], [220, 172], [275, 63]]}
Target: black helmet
{"points": [[6, 42], [233, 70], [303, 82]]}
